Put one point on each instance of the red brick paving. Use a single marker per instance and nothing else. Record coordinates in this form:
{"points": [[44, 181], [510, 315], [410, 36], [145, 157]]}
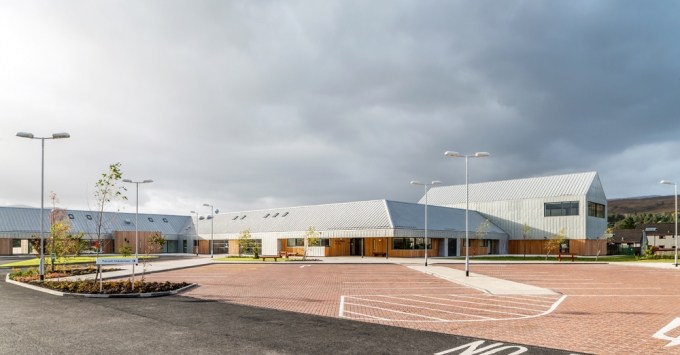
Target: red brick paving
{"points": [[608, 309]]}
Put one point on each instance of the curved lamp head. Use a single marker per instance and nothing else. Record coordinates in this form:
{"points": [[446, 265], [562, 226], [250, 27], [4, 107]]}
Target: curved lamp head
{"points": [[127, 180], [201, 218], [415, 183], [61, 135], [452, 154], [147, 181], [193, 212], [481, 154], [667, 182], [436, 182], [206, 205], [25, 135]]}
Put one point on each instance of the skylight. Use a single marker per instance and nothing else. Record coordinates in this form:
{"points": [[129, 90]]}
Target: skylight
{"points": [[267, 215], [235, 218], [150, 219], [88, 216], [275, 214], [71, 216], [244, 216], [285, 214], [165, 220]]}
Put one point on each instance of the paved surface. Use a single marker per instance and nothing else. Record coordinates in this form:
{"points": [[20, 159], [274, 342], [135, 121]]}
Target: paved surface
{"points": [[604, 309], [488, 284], [38, 323]]}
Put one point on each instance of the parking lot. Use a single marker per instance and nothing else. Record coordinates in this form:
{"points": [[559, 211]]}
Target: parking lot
{"points": [[603, 309]]}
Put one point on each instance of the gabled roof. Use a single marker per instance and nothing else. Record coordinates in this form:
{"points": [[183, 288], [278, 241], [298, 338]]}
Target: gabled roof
{"points": [[519, 189], [27, 220], [376, 214]]}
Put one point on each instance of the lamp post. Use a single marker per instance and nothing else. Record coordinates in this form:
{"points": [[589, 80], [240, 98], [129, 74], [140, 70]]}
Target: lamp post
{"points": [[212, 224], [136, 224], [42, 193], [196, 230], [676, 218], [425, 185], [467, 202]]}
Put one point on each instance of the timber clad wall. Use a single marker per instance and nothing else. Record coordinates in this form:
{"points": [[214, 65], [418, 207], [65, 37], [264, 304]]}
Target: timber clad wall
{"points": [[372, 247], [120, 236], [5, 246], [576, 246]]}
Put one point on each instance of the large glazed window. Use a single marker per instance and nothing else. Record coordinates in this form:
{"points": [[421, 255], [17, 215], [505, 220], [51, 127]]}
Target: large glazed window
{"points": [[410, 243], [595, 210], [568, 208]]}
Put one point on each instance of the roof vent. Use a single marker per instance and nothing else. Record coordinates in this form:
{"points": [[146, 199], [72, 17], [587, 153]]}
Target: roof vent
{"points": [[165, 220], [127, 221], [88, 216], [71, 216], [150, 219]]}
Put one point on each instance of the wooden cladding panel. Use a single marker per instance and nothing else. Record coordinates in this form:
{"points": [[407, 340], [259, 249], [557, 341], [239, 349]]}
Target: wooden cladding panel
{"points": [[204, 247], [339, 247], [5, 246], [475, 249], [143, 238], [587, 247], [233, 246], [532, 246]]}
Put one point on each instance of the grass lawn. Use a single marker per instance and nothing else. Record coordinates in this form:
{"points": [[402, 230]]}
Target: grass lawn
{"points": [[66, 261], [238, 258], [613, 258]]}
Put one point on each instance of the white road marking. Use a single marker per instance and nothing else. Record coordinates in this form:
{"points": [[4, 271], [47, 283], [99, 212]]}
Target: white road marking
{"points": [[444, 299], [410, 306], [661, 334], [392, 310]]}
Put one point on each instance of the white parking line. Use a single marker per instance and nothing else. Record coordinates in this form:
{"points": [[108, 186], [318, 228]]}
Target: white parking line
{"points": [[486, 298], [444, 299], [410, 306], [392, 310]]}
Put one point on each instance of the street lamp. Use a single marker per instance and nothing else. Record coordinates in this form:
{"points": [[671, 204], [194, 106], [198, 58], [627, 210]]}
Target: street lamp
{"points": [[136, 225], [197, 218], [426, 185], [42, 193], [212, 224], [676, 218], [467, 202]]}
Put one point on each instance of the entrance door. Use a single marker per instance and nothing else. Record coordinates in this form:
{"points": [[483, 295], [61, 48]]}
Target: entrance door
{"points": [[184, 246], [453, 246], [355, 245]]}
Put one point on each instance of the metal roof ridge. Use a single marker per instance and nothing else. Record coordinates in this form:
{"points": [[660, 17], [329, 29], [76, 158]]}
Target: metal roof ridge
{"points": [[518, 179], [304, 206]]}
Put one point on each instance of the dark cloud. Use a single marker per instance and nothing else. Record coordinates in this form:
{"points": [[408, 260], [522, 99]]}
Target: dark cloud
{"points": [[267, 104]]}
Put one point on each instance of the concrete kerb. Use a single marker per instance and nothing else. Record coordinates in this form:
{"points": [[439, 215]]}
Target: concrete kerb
{"points": [[86, 295]]}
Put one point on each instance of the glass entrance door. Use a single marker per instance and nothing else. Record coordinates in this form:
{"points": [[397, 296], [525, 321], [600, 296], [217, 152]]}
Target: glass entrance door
{"points": [[355, 246]]}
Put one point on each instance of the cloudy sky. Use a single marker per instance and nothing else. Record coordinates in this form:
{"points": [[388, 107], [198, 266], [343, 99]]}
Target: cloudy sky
{"points": [[258, 104]]}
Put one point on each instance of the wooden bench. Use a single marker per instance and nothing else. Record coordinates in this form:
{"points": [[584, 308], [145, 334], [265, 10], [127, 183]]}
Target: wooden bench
{"points": [[573, 256], [379, 254], [265, 257], [285, 254]]}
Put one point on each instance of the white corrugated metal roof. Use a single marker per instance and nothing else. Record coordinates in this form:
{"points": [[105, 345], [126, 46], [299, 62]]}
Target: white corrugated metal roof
{"points": [[362, 215], [27, 220], [536, 187]]}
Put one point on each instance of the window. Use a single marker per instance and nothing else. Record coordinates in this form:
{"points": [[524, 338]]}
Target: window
{"points": [[88, 216], [221, 246], [662, 246], [285, 214], [235, 218], [244, 216], [165, 220], [253, 244], [411, 243], [662, 237], [553, 209], [150, 219], [71, 216], [595, 210], [16, 243], [294, 242], [484, 243], [275, 214], [267, 215]]}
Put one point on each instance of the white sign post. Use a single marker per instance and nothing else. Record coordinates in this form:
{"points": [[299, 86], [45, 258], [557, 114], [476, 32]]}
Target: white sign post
{"points": [[113, 261]]}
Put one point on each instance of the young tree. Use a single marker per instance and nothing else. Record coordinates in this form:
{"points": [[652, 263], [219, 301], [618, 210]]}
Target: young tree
{"points": [[526, 234], [311, 237], [107, 192], [480, 234], [603, 241], [555, 242], [245, 242], [154, 245], [125, 249]]}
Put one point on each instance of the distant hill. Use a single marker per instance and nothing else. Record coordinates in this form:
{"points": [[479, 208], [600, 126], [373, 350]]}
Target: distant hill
{"points": [[646, 204]]}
